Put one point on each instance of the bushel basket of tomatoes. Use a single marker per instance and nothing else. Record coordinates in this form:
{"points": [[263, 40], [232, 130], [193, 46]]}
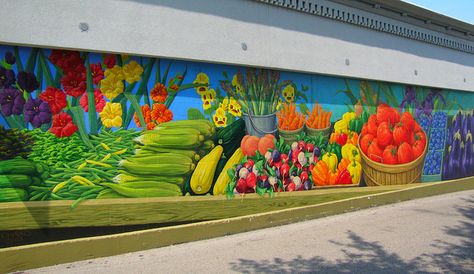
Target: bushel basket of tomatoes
{"points": [[393, 148]]}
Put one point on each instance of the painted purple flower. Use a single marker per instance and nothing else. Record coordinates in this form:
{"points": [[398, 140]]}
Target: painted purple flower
{"points": [[7, 77], [11, 102], [410, 97], [27, 81], [37, 112], [426, 107], [10, 58]]}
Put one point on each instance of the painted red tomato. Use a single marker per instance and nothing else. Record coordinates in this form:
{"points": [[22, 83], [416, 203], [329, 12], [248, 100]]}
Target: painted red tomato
{"points": [[407, 121], [374, 152], [420, 136], [417, 127], [372, 125], [400, 135], [386, 113], [418, 148], [365, 141], [384, 135], [390, 155], [405, 153], [364, 130], [383, 112]]}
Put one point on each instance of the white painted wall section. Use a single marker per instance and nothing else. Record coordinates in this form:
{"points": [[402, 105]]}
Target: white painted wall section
{"points": [[214, 30]]}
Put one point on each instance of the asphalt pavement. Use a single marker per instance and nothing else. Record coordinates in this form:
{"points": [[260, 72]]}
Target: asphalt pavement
{"points": [[427, 235]]}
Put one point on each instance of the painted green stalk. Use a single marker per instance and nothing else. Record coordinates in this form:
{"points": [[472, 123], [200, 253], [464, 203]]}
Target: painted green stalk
{"points": [[46, 70], [171, 96], [31, 63], [19, 65], [142, 90], [90, 99], [77, 114], [134, 102]]}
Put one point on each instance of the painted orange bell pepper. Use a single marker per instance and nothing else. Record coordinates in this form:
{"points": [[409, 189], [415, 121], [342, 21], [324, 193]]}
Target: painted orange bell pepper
{"points": [[343, 164], [333, 177], [352, 138], [320, 173]]}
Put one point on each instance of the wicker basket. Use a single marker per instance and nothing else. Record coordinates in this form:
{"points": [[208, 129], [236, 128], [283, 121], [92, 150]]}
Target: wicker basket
{"points": [[289, 135], [378, 174]]}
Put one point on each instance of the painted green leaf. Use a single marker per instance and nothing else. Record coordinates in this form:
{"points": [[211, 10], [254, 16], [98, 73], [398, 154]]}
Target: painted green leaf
{"points": [[31, 63], [136, 106], [19, 65], [165, 75], [90, 99], [303, 108], [46, 70], [142, 90], [390, 98], [195, 114], [301, 95], [77, 114], [348, 92]]}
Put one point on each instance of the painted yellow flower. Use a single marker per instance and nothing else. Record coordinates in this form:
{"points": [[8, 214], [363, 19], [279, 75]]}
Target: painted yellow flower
{"points": [[279, 104], [225, 103], [116, 72], [236, 84], [289, 93], [207, 98], [124, 57], [201, 79], [132, 72], [111, 86], [111, 115], [234, 107], [219, 118]]}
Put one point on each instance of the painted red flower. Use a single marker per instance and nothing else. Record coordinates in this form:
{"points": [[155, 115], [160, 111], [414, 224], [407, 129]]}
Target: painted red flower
{"points": [[161, 114], [109, 60], [98, 99], [146, 111], [55, 98], [73, 63], [159, 93], [62, 125], [65, 59], [174, 87], [97, 73], [74, 83]]}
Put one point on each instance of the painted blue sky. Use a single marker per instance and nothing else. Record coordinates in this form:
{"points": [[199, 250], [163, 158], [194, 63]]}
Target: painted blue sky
{"points": [[460, 9]]}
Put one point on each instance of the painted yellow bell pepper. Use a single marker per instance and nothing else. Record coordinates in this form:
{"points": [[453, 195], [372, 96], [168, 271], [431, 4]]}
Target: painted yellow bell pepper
{"points": [[351, 152], [355, 169], [341, 126], [331, 160]]}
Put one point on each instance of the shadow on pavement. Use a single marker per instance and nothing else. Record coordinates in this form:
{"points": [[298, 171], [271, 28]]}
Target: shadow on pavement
{"points": [[362, 256], [457, 258]]}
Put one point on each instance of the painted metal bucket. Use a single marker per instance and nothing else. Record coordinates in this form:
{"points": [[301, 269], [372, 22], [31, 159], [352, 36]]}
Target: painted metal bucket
{"points": [[259, 125]]}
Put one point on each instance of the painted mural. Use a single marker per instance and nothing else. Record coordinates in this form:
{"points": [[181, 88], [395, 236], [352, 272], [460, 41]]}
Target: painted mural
{"points": [[77, 125]]}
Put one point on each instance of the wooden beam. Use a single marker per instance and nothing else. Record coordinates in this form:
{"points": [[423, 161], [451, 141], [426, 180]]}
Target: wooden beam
{"points": [[118, 212], [45, 254]]}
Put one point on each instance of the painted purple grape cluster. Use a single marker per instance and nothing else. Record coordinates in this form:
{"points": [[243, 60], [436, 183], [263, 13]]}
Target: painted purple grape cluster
{"points": [[440, 120], [433, 163], [437, 139]]}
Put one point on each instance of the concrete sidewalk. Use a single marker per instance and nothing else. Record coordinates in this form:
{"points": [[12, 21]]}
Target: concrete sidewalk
{"points": [[433, 234]]}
